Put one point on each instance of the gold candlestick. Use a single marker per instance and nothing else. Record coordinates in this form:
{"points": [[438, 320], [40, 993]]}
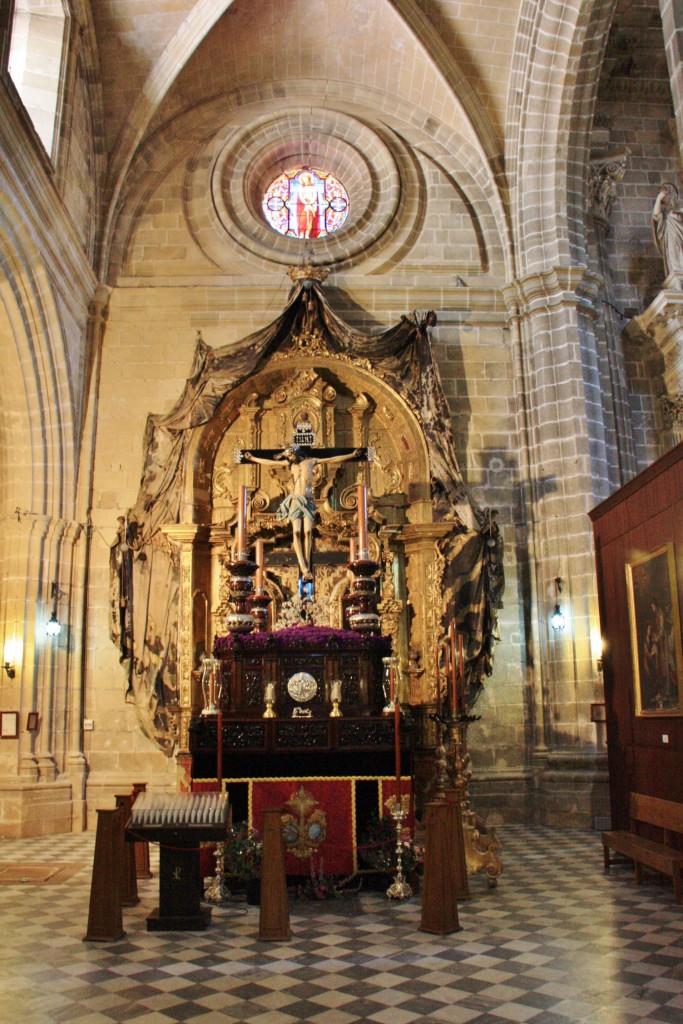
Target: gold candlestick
{"points": [[269, 697], [399, 888]]}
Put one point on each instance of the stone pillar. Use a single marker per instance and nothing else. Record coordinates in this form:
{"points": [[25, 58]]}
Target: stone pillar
{"points": [[566, 475], [75, 765], [61, 595], [606, 173]]}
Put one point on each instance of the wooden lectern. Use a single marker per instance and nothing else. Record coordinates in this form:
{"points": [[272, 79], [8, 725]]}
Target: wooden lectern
{"points": [[179, 824]]}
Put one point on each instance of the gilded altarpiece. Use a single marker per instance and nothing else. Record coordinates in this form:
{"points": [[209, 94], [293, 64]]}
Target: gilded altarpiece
{"points": [[347, 406], [438, 557]]}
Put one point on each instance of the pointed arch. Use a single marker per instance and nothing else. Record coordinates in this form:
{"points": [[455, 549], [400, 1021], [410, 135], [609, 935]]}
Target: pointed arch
{"points": [[187, 37], [552, 96], [31, 339], [199, 23]]}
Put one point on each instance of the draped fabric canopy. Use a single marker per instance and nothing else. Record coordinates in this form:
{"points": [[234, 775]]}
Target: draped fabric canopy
{"points": [[145, 573]]}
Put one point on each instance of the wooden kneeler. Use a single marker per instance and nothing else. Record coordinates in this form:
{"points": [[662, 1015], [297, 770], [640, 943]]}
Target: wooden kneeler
{"points": [[105, 920], [274, 912], [141, 846], [439, 902], [129, 877]]}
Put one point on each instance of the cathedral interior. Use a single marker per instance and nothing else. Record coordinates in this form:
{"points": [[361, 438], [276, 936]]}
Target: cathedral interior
{"points": [[429, 232], [340, 482]]}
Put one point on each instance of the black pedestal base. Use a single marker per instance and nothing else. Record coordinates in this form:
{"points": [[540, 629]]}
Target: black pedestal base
{"points": [[199, 922]]}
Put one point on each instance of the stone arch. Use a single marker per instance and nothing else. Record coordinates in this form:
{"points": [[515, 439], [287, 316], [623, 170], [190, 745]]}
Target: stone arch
{"points": [[234, 236], [466, 108], [357, 379], [550, 111], [32, 339], [38, 474]]}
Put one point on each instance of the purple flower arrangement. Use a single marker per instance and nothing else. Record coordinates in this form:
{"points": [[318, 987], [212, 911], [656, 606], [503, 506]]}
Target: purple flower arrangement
{"points": [[303, 636]]}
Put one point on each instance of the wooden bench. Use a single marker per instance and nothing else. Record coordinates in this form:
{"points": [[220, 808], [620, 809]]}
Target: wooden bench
{"points": [[665, 815]]}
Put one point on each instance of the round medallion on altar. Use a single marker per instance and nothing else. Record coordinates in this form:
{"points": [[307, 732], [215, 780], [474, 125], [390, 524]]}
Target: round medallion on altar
{"points": [[302, 687]]}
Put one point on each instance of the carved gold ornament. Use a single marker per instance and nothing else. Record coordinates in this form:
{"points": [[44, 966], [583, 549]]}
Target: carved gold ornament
{"points": [[305, 829]]}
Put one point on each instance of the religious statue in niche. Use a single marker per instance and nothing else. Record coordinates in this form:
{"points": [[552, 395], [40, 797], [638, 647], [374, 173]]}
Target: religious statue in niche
{"points": [[667, 228], [298, 507]]}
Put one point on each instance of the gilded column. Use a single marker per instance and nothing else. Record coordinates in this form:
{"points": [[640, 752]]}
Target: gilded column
{"points": [[424, 572]]}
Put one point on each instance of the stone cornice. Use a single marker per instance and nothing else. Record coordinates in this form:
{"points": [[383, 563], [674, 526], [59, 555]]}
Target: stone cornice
{"points": [[554, 288]]}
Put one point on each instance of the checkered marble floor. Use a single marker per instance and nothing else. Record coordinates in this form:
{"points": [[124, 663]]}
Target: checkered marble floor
{"points": [[557, 942]]}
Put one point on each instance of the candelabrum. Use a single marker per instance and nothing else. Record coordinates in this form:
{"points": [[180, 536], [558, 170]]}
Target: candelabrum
{"points": [[399, 888], [216, 890], [212, 685], [240, 585], [460, 759], [362, 606], [257, 603], [453, 774], [441, 759]]}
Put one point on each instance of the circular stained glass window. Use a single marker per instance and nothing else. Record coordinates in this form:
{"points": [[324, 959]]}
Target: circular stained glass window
{"points": [[306, 202]]}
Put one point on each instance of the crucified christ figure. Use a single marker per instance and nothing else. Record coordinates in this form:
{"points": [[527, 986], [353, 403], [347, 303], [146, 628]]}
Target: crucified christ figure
{"points": [[299, 506]]}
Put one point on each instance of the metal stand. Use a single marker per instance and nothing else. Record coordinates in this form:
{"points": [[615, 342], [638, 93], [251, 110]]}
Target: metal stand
{"points": [[216, 891], [399, 888], [241, 585], [482, 847], [362, 609]]}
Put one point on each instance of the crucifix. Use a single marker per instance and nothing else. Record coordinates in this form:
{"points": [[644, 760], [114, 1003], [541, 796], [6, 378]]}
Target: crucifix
{"points": [[298, 507]]}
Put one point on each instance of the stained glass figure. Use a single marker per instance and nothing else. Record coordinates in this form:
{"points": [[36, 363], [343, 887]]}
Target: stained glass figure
{"points": [[306, 202]]}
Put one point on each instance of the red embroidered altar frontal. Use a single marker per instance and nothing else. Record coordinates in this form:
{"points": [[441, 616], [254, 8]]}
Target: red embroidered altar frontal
{"points": [[318, 821], [323, 818]]}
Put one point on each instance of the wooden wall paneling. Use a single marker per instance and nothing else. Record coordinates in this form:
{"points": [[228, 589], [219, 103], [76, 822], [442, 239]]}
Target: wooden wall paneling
{"points": [[645, 514]]}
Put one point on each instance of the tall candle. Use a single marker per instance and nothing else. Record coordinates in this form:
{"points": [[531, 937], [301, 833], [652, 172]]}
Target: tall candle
{"points": [[461, 662], [242, 521], [353, 549], [454, 668], [362, 520], [438, 681], [397, 745], [219, 749], [258, 558]]}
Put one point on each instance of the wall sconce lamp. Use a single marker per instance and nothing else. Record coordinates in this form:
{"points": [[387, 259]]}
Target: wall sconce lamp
{"points": [[11, 656], [53, 627], [557, 618]]}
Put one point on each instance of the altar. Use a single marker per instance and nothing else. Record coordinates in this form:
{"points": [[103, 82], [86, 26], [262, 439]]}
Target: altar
{"points": [[316, 757], [307, 479]]}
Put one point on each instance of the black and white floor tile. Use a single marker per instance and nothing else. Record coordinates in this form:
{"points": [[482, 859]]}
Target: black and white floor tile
{"points": [[558, 941]]}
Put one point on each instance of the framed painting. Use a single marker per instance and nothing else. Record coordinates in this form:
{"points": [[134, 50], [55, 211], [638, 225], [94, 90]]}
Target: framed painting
{"points": [[655, 627], [9, 725]]}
